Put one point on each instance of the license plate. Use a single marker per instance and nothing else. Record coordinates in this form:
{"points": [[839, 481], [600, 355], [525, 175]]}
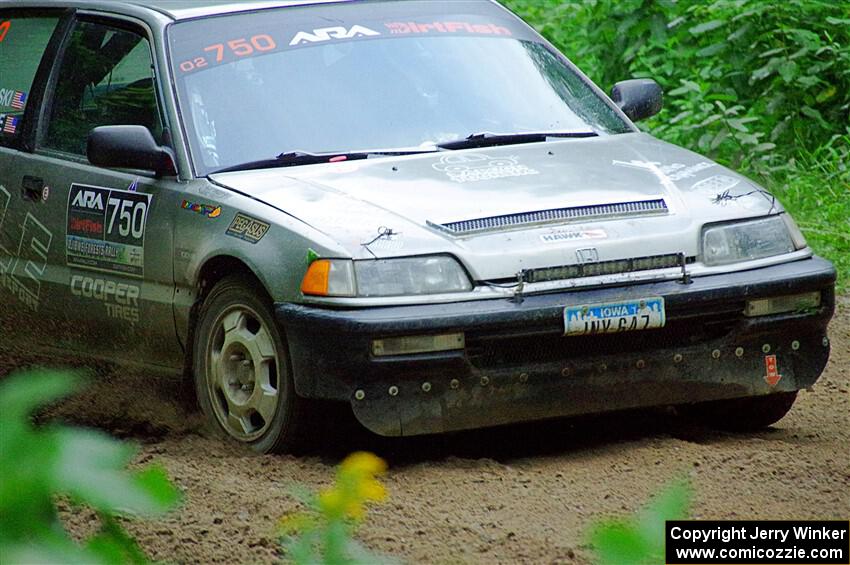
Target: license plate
{"points": [[614, 317]]}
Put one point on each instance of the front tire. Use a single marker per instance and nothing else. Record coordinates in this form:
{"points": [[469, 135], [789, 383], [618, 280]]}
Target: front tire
{"points": [[242, 375], [742, 414]]}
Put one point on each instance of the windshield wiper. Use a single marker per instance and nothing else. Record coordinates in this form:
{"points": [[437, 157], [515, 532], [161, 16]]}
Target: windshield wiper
{"points": [[294, 158], [490, 139]]}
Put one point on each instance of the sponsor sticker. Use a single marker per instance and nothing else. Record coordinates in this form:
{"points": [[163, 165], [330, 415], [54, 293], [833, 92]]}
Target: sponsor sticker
{"points": [[403, 28], [120, 300], [329, 33], [106, 229], [475, 167], [716, 184], [573, 235], [771, 365], [674, 171], [247, 228], [208, 210], [10, 98]]}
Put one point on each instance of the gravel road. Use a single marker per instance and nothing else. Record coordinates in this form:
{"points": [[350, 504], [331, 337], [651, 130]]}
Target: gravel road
{"points": [[517, 494]]}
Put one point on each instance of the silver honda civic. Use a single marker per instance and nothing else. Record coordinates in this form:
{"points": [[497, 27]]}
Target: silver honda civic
{"points": [[419, 208]]}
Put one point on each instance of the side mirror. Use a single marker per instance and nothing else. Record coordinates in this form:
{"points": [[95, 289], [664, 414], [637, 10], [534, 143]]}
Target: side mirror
{"points": [[129, 147], [638, 98]]}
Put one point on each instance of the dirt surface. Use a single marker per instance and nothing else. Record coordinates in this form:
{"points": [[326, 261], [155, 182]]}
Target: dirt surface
{"points": [[517, 494]]}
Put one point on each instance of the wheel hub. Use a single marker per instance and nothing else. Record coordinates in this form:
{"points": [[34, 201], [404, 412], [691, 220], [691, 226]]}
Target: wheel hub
{"points": [[242, 374]]}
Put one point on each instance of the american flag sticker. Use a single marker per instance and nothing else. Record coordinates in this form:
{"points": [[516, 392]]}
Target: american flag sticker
{"points": [[10, 125], [19, 100]]}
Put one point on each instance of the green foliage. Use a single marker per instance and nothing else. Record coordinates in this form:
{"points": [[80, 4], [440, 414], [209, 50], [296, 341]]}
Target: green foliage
{"points": [[39, 464], [745, 80], [325, 532], [641, 539], [763, 87]]}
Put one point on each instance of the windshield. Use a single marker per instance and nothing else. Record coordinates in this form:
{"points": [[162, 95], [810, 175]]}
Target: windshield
{"points": [[370, 76]]}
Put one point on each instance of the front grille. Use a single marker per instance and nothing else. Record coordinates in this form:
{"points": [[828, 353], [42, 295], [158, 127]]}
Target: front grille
{"points": [[593, 212], [615, 267]]}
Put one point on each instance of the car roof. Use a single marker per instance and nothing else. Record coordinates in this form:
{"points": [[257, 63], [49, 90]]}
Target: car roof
{"points": [[184, 9], [173, 9]]}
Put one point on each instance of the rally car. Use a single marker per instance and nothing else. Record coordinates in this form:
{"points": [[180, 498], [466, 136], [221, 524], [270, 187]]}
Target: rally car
{"points": [[420, 208]]}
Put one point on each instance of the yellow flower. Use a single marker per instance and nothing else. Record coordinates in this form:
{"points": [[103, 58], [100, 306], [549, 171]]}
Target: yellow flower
{"points": [[363, 463], [371, 490], [355, 486]]}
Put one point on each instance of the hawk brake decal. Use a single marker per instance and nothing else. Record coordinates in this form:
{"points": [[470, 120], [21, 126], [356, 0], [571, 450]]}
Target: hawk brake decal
{"points": [[572, 235], [106, 229]]}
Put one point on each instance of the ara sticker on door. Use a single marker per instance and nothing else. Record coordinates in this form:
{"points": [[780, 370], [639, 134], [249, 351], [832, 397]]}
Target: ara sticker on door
{"points": [[106, 229]]}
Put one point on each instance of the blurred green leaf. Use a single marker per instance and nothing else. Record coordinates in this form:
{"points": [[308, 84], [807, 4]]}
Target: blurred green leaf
{"points": [[641, 539], [37, 464]]}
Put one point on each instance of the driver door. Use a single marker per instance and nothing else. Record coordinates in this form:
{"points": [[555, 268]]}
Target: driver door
{"points": [[112, 229]]}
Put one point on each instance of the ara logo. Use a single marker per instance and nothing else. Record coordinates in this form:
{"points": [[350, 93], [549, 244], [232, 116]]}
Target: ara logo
{"points": [[88, 199], [328, 33]]}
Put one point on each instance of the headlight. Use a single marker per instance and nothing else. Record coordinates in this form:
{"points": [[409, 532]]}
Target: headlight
{"points": [[746, 241], [385, 277], [416, 275]]}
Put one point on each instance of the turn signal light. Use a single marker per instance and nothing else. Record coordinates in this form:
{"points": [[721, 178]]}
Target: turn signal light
{"points": [[315, 282], [329, 277]]}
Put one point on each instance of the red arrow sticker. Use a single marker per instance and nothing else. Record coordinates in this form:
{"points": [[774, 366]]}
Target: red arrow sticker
{"points": [[772, 376]]}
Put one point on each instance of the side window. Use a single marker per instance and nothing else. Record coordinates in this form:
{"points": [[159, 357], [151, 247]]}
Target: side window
{"points": [[22, 43], [105, 78]]}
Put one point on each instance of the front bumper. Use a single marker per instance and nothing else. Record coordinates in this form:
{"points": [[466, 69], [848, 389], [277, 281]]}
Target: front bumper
{"points": [[518, 366]]}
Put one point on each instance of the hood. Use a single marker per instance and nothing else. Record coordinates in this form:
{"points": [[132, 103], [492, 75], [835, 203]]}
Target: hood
{"points": [[503, 209]]}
